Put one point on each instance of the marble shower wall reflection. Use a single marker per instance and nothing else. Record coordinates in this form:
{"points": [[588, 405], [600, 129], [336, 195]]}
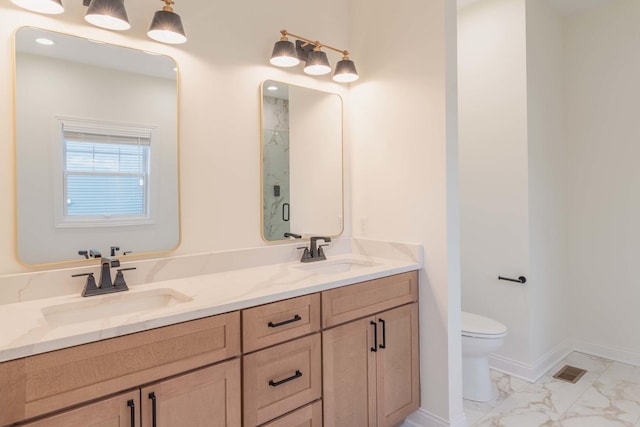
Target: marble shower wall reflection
{"points": [[275, 171]]}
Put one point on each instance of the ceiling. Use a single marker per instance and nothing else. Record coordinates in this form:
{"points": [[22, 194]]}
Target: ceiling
{"points": [[78, 49]]}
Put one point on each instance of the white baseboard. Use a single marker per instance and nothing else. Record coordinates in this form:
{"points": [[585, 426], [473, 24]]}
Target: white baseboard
{"points": [[617, 354], [527, 372], [424, 418]]}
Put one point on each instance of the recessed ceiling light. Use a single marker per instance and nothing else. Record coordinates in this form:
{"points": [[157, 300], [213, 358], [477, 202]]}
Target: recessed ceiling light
{"points": [[272, 88], [44, 41]]}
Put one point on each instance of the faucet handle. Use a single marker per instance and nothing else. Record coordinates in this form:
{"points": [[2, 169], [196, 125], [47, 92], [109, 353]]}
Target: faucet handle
{"points": [[321, 251], [306, 255], [119, 281], [90, 287]]}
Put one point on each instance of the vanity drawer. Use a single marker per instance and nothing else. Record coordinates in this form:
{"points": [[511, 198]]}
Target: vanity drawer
{"points": [[344, 304], [281, 378], [50, 381], [280, 321], [307, 416]]}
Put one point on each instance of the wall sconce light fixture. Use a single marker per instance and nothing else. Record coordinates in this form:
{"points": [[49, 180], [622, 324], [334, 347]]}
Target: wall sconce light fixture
{"points": [[109, 14], [166, 26], [51, 7], [285, 54]]}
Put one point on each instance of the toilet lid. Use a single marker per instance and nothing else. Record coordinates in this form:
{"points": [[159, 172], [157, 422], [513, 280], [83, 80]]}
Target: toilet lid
{"points": [[474, 325]]}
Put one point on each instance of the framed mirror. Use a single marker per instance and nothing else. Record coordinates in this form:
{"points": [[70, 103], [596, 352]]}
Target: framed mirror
{"points": [[302, 162], [96, 149]]}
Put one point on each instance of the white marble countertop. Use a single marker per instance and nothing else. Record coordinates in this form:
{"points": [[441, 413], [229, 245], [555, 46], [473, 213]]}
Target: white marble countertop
{"points": [[26, 331]]}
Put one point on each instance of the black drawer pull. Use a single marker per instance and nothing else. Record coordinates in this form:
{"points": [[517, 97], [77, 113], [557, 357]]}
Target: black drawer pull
{"points": [[384, 333], [154, 421], [273, 383], [285, 322], [375, 336], [131, 404]]}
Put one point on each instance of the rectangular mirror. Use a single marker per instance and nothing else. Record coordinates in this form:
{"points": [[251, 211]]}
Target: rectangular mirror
{"points": [[96, 148], [301, 147]]}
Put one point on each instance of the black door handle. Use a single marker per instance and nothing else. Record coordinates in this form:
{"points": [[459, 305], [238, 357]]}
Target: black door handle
{"points": [[273, 383], [285, 322], [384, 333], [520, 279], [375, 336], [152, 396], [132, 407]]}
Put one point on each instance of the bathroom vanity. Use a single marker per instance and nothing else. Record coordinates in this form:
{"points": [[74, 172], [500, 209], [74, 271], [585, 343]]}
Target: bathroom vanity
{"points": [[331, 344]]}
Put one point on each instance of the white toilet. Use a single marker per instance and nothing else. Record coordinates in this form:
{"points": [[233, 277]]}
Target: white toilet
{"points": [[480, 337]]}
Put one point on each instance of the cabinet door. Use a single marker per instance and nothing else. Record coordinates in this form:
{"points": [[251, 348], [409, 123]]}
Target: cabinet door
{"points": [[208, 397], [118, 411], [398, 382], [349, 374]]}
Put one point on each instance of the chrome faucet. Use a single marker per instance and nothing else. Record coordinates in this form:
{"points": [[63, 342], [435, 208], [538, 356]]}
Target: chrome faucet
{"points": [[314, 252]]}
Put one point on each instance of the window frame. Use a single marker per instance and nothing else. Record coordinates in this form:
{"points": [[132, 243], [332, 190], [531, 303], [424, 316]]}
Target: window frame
{"points": [[62, 220]]}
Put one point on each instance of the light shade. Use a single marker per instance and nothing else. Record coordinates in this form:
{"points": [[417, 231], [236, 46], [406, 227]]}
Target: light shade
{"points": [[284, 54], [109, 14], [345, 71], [52, 7], [166, 27], [317, 63]]}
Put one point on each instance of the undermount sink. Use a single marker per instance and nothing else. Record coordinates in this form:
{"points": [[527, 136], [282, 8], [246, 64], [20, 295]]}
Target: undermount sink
{"points": [[336, 266], [101, 307]]}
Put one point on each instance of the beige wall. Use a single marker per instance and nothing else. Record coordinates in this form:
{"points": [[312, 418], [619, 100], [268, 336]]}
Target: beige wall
{"points": [[604, 208], [404, 126], [494, 166], [221, 67], [404, 169]]}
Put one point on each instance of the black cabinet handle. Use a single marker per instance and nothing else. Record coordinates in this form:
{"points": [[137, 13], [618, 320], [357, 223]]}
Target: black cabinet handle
{"points": [[132, 407], [285, 322], [152, 396], [375, 336], [286, 212], [384, 333], [273, 383]]}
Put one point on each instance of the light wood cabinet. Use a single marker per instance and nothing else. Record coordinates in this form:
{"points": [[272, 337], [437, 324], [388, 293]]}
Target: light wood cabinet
{"points": [[371, 369], [349, 375], [343, 357], [208, 397], [398, 365], [270, 324], [122, 410], [347, 303], [49, 382], [307, 416], [281, 378]]}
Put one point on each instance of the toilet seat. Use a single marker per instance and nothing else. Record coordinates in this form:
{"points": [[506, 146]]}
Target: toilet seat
{"points": [[476, 326]]}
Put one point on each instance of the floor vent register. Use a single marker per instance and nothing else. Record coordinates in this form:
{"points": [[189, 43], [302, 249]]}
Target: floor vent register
{"points": [[570, 374]]}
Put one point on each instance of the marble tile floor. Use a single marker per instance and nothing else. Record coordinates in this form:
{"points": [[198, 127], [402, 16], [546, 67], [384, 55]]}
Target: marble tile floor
{"points": [[608, 395]]}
